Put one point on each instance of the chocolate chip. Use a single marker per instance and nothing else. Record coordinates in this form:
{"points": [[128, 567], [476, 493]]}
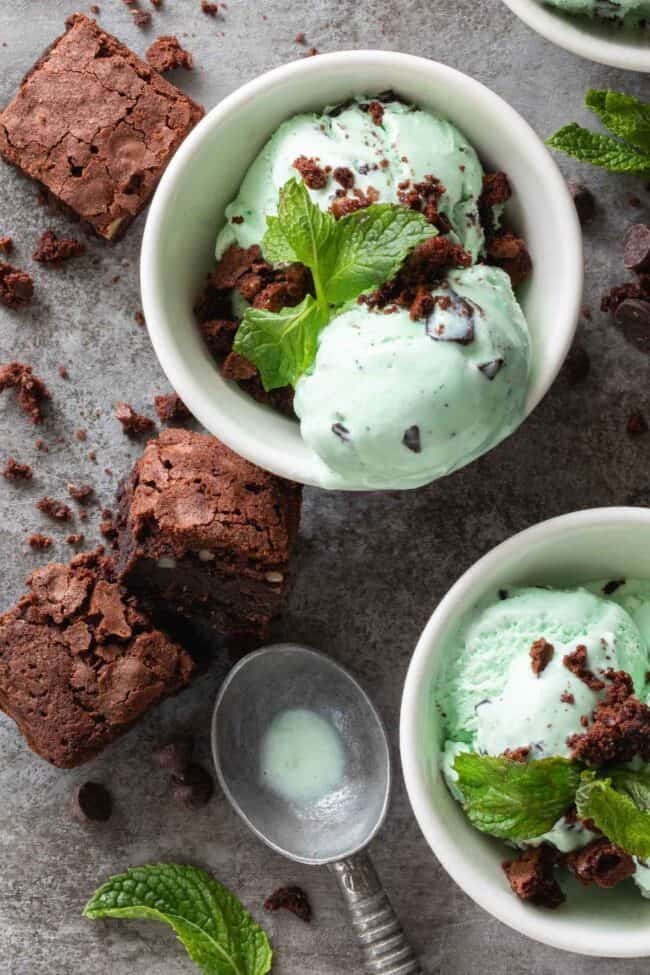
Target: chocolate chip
{"points": [[636, 247], [341, 432], [633, 317], [292, 899], [91, 803], [612, 586], [583, 199], [175, 756], [491, 368], [411, 439], [193, 788]]}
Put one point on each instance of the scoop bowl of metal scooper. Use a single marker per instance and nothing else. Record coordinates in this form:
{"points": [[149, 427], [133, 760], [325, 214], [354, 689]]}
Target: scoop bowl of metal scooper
{"points": [[302, 755]]}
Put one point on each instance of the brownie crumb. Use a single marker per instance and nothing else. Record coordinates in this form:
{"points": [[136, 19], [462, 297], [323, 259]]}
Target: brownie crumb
{"points": [[344, 176], [6, 245], [601, 863], [139, 317], [300, 38], [39, 541], [141, 18], [292, 899], [166, 53], [91, 455], [517, 754], [211, 9], [636, 424], [55, 250], [42, 446], [496, 190], [13, 471], [30, 391], [63, 372], [94, 8], [313, 175], [621, 727], [237, 367], [612, 586], [170, 407], [81, 435], [567, 698], [531, 876], [541, 654], [376, 112], [583, 200], [312, 52], [576, 662], [16, 286], [76, 538], [511, 255], [80, 492], [58, 510], [134, 424]]}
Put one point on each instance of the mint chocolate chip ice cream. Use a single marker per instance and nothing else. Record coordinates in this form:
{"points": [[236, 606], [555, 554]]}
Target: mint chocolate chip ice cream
{"points": [[552, 676], [631, 12], [408, 382]]}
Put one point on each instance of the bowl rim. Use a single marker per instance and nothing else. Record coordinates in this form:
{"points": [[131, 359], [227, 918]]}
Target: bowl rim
{"points": [[575, 37], [533, 923], [244, 440]]}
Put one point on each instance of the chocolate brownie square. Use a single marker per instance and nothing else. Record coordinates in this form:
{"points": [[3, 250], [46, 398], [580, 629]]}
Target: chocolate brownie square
{"points": [[96, 126], [80, 661], [205, 534]]}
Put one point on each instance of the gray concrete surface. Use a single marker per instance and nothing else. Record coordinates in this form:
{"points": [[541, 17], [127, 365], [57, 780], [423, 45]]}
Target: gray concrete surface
{"points": [[370, 568]]}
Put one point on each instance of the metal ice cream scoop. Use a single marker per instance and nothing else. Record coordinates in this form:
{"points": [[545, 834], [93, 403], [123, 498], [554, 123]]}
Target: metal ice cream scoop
{"points": [[302, 754]]}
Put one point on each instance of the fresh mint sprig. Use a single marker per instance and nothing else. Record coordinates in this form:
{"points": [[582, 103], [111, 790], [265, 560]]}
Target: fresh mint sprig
{"points": [[515, 800], [619, 805], [218, 934], [346, 257], [627, 117]]}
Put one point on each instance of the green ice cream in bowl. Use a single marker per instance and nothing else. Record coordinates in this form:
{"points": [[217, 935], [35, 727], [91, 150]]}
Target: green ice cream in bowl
{"points": [[376, 317]]}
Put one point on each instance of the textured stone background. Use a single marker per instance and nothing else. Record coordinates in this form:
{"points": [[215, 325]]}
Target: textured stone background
{"points": [[370, 568]]}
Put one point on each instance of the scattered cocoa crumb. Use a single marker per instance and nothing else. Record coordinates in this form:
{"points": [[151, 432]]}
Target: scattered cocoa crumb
{"points": [[63, 372], [532, 878], [567, 698], [94, 8], [511, 254], [211, 9], [81, 435], [292, 899], [237, 367], [108, 471], [576, 662], [80, 492], [57, 510], [42, 446], [586, 313], [39, 541], [300, 38], [16, 286], [313, 175], [91, 455], [30, 391], [6, 245], [139, 317], [53, 250], [134, 424], [170, 407], [141, 18], [108, 529], [312, 52], [636, 424], [344, 176], [13, 471], [166, 53], [82, 515], [541, 654], [517, 754], [75, 539]]}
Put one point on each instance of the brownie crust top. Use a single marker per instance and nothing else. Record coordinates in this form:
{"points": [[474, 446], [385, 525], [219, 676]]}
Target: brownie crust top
{"points": [[95, 125]]}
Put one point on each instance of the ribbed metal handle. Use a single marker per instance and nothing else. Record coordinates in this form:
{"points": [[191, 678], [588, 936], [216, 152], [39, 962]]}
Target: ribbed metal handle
{"points": [[386, 950]]}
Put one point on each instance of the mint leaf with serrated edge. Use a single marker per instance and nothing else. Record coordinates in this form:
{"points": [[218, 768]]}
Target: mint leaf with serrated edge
{"points": [[624, 115], [281, 344], [345, 257], [515, 800], [599, 150], [619, 805], [218, 934]]}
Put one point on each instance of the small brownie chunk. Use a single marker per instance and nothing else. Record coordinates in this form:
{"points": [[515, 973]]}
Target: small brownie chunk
{"points": [[55, 250], [532, 876], [166, 53], [57, 510], [169, 407], [16, 286], [96, 126], [601, 863], [80, 662], [205, 534], [14, 471], [30, 390], [134, 424]]}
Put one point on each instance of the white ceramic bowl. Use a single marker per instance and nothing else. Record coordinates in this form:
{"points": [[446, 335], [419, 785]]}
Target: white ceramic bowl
{"points": [[187, 211], [596, 544], [596, 40]]}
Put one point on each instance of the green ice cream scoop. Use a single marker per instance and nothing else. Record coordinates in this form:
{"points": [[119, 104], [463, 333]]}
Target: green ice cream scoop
{"points": [[405, 144], [395, 403]]}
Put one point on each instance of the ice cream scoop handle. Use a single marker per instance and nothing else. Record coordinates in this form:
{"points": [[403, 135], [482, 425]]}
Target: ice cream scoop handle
{"points": [[385, 948]]}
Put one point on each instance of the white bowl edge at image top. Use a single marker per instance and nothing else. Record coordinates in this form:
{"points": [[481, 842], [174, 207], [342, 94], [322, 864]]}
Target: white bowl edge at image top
{"points": [[205, 174], [594, 39], [600, 543]]}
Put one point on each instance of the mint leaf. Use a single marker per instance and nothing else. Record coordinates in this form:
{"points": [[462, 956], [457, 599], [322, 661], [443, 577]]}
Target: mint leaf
{"points": [[515, 800], [308, 231], [219, 935], [623, 816], [275, 245], [281, 344], [370, 246], [599, 150], [624, 115]]}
